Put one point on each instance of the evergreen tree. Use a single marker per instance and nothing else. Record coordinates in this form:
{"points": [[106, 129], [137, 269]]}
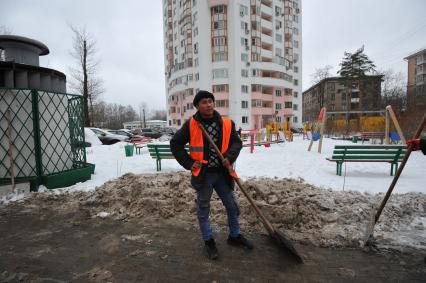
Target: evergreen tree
{"points": [[355, 68]]}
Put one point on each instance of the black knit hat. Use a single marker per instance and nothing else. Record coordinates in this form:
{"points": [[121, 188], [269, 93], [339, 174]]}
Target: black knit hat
{"points": [[200, 95]]}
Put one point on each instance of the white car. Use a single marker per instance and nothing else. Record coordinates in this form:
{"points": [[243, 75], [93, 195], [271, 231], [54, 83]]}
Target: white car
{"points": [[108, 138]]}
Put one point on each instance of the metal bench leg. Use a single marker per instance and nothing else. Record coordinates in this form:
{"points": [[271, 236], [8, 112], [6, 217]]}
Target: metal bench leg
{"points": [[158, 165], [339, 168]]}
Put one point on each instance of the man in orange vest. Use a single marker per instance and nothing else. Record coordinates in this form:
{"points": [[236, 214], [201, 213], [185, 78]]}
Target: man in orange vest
{"points": [[208, 172]]}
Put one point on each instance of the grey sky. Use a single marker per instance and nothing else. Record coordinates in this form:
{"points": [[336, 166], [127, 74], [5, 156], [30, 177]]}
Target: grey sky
{"points": [[129, 37]]}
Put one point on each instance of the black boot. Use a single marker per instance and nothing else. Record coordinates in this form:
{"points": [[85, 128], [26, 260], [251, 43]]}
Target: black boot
{"points": [[240, 241], [210, 247]]}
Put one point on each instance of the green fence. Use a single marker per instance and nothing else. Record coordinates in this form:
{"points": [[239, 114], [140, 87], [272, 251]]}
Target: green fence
{"points": [[47, 136]]}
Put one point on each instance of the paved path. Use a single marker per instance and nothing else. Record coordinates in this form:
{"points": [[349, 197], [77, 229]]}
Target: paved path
{"points": [[44, 246]]}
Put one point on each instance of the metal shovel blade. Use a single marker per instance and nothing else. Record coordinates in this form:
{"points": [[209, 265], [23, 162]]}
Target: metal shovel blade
{"points": [[281, 239]]}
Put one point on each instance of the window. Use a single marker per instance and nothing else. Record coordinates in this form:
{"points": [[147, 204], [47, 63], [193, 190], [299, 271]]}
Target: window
{"points": [[244, 119], [178, 122], [196, 62], [244, 57], [278, 52], [288, 105], [296, 69], [333, 96], [219, 41], [244, 25], [296, 31], [244, 104], [195, 17], [278, 37], [278, 92], [222, 103], [244, 88], [295, 107], [220, 88], [295, 94], [197, 76], [243, 10], [295, 119], [278, 119], [220, 73], [296, 82], [219, 56], [219, 9], [244, 41], [296, 44], [278, 106], [244, 73]]}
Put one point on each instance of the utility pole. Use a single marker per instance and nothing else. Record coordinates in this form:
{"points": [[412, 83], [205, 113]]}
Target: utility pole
{"points": [[144, 123]]}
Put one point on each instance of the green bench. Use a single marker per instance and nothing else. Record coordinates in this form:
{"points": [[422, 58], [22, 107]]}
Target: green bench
{"points": [[368, 153], [161, 151]]}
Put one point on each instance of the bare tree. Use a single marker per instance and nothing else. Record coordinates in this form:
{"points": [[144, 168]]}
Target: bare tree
{"points": [[319, 75], [4, 30], [84, 76], [394, 90], [159, 115]]}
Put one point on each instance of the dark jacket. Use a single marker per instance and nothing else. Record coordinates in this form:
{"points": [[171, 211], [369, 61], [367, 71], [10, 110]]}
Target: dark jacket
{"points": [[181, 138], [423, 145]]}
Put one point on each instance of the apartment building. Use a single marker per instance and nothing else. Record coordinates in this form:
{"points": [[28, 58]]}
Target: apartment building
{"points": [[416, 80], [247, 52], [363, 95]]}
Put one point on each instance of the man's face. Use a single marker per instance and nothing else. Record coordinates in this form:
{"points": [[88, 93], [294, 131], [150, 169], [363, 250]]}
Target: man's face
{"points": [[206, 107]]}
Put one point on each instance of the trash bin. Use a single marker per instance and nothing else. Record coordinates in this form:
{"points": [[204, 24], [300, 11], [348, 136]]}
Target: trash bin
{"points": [[355, 139], [128, 148]]}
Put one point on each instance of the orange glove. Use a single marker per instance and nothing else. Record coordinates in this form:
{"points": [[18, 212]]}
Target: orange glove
{"points": [[414, 143]]}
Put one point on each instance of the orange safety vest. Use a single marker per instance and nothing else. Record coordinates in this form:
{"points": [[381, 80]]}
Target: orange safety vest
{"points": [[196, 143]]}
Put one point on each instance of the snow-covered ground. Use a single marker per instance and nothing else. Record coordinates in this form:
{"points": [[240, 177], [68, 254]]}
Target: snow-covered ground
{"points": [[288, 160]]}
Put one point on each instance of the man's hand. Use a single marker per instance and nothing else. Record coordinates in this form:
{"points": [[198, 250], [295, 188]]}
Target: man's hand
{"points": [[226, 163], [414, 143], [196, 165]]}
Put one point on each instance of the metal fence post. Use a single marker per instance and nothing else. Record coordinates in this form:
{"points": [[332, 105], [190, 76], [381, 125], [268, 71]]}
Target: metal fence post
{"points": [[37, 146]]}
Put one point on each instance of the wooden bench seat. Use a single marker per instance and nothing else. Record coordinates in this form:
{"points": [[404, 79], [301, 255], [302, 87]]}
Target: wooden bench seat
{"points": [[368, 153], [161, 151], [372, 135]]}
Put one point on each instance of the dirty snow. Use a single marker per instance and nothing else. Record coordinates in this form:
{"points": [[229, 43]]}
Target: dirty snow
{"points": [[298, 190]]}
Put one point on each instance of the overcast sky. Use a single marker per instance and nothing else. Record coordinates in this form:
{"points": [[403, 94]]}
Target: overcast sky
{"points": [[130, 42]]}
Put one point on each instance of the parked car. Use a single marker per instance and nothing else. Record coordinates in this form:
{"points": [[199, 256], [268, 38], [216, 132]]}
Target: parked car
{"points": [[108, 138], [127, 133], [169, 131], [147, 132]]}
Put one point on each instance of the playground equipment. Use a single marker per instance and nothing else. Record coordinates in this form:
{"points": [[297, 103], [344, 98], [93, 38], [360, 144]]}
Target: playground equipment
{"points": [[318, 135], [393, 136]]}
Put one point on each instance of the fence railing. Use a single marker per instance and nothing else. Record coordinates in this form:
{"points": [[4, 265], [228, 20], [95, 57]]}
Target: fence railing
{"points": [[46, 133]]}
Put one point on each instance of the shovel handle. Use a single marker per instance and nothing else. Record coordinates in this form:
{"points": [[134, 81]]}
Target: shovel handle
{"points": [[399, 171], [265, 221]]}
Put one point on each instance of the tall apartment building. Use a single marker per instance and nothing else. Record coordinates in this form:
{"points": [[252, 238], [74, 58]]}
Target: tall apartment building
{"points": [[332, 93], [247, 52], [416, 84]]}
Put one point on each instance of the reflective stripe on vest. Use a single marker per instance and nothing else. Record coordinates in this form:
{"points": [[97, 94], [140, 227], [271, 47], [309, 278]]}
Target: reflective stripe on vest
{"points": [[196, 143]]}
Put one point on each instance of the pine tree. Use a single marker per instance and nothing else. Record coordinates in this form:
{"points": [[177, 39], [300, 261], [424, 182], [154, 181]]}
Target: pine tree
{"points": [[355, 68]]}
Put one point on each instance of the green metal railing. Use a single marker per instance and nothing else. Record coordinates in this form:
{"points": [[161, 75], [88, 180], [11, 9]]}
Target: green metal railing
{"points": [[47, 134]]}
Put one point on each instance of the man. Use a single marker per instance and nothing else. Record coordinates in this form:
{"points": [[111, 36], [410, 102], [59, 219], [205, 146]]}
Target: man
{"points": [[208, 172]]}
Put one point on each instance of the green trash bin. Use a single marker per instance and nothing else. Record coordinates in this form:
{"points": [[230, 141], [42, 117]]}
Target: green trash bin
{"points": [[355, 139], [128, 148]]}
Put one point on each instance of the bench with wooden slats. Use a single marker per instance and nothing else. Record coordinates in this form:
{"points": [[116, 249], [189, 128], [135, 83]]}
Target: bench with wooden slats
{"points": [[161, 151], [368, 153]]}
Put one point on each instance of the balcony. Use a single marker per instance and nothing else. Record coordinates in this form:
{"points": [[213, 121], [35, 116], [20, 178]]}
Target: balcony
{"points": [[266, 26], [266, 53], [266, 12], [266, 39]]}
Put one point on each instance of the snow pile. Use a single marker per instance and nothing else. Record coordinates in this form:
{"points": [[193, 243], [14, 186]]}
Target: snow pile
{"points": [[308, 214], [91, 137]]}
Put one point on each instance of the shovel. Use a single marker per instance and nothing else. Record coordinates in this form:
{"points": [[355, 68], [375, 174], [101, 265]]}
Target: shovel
{"points": [[375, 218], [279, 237]]}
